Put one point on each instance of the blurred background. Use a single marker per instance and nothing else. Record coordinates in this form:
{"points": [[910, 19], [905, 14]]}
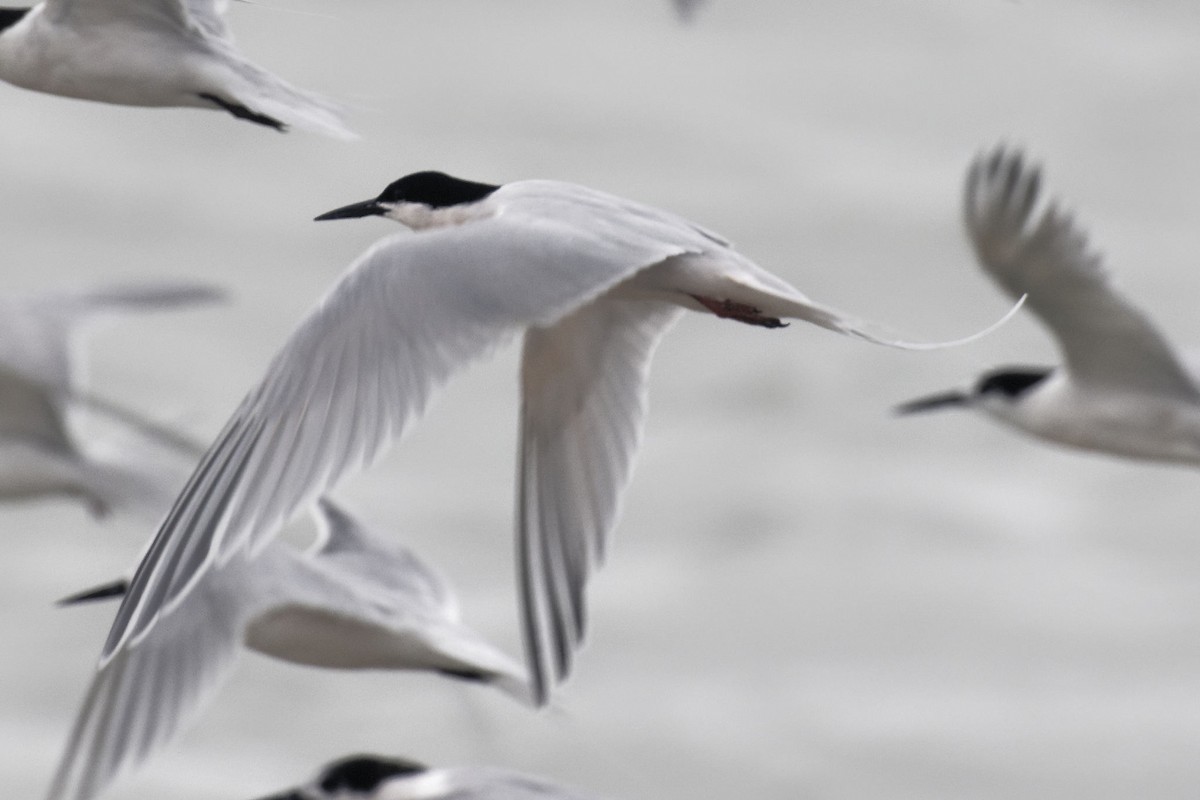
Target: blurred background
{"points": [[806, 597]]}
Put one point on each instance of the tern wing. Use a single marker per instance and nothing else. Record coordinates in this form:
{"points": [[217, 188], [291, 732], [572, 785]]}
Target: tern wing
{"points": [[411, 312], [139, 699], [583, 400], [151, 14], [207, 15], [409, 599], [393, 573], [1106, 341], [210, 15]]}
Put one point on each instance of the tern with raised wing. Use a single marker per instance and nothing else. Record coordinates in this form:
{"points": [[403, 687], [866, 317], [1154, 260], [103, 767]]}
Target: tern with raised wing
{"points": [[163, 53], [591, 280], [1122, 389], [350, 601], [41, 388]]}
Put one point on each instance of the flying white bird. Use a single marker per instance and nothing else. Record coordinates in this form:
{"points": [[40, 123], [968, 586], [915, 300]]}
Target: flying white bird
{"points": [[591, 280], [1122, 390], [349, 602], [175, 53], [40, 386], [369, 777]]}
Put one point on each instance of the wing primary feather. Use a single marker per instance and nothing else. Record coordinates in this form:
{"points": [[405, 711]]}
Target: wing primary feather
{"points": [[211, 502], [115, 738], [575, 548], [529, 570], [550, 537], [152, 582]]}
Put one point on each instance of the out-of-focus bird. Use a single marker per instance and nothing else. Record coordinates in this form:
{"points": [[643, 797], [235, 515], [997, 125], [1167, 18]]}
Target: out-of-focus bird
{"points": [[1122, 389], [591, 280], [349, 602], [175, 53], [370, 777], [41, 385]]}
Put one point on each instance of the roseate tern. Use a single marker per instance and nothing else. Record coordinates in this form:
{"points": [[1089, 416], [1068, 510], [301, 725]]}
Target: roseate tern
{"points": [[1122, 388], [591, 280]]}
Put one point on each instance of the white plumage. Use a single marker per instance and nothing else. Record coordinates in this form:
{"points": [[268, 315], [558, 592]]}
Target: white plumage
{"points": [[1122, 388], [592, 281], [151, 53], [349, 602]]}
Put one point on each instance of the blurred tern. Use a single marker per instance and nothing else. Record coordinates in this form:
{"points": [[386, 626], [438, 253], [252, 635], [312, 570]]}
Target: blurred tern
{"points": [[40, 386], [349, 602], [1122, 389], [175, 53], [370, 777], [592, 280]]}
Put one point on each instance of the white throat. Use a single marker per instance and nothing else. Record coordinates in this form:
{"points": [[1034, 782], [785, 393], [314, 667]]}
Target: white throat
{"points": [[427, 784], [419, 216]]}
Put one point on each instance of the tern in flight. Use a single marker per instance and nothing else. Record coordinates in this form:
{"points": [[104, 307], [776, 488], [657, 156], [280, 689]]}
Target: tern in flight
{"points": [[592, 281], [41, 386], [151, 53], [1122, 389], [350, 601]]}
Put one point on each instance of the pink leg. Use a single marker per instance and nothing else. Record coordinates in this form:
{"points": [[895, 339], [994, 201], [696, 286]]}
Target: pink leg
{"points": [[728, 309]]}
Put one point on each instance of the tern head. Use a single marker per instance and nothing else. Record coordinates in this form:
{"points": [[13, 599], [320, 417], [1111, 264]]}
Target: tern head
{"points": [[995, 391], [421, 200], [11, 16]]}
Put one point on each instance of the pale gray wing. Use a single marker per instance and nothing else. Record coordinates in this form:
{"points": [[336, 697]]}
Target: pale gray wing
{"points": [[170, 15], [1105, 340], [411, 312], [406, 595], [210, 15], [583, 399], [147, 693], [395, 572], [174, 15]]}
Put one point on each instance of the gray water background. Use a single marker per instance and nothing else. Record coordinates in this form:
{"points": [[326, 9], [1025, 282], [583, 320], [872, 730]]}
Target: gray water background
{"points": [[806, 597]]}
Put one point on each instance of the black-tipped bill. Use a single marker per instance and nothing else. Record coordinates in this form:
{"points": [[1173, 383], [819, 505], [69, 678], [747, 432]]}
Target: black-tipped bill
{"points": [[367, 208], [933, 402], [117, 588]]}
